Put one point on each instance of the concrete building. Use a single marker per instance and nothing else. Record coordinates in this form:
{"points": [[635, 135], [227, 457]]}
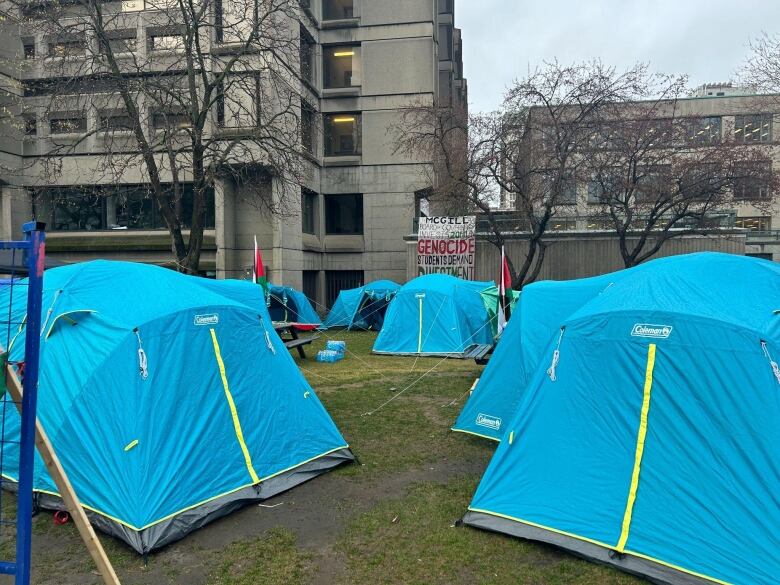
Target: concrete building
{"points": [[716, 113], [361, 62]]}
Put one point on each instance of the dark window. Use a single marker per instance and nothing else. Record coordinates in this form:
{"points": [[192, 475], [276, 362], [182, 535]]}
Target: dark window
{"points": [[603, 187], [308, 128], [702, 181], [30, 125], [753, 128], [754, 224], [706, 130], [562, 225], [116, 207], [29, 48], [338, 9], [344, 214], [120, 41], [445, 87], [170, 120], [238, 102], [310, 288], [309, 212], [341, 66], [445, 42], [652, 183], [568, 188], [307, 55], [752, 180], [342, 134], [67, 124], [446, 6], [339, 280], [115, 120]]}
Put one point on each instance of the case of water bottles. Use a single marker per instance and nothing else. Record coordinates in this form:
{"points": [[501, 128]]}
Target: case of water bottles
{"points": [[334, 352]]}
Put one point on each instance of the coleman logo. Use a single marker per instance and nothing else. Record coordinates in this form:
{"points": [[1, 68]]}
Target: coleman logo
{"points": [[488, 421], [654, 331], [211, 319]]}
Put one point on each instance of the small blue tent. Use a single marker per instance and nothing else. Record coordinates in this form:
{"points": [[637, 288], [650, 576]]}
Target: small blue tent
{"points": [[169, 403], [653, 444], [535, 321], [288, 305], [436, 315], [362, 308]]}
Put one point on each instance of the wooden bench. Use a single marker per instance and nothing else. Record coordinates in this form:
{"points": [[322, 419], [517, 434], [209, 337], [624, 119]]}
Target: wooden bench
{"points": [[289, 335], [479, 353]]}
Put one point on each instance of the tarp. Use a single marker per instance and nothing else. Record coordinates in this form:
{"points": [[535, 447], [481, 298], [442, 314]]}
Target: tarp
{"points": [[362, 308], [436, 314], [535, 321], [654, 445], [212, 414], [288, 305]]}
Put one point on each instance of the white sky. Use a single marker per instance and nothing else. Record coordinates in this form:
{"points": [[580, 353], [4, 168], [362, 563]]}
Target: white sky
{"points": [[707, 39]]}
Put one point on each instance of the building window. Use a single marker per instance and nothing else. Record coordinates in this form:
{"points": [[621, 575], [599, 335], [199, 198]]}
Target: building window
{"points": [[445, 42], [67, 124], [342, 134], [115, 120], [165, 42], [67, 48], [120, 41], [344, 214], [308, 128], [754, 224], [706, 130], [652, 183], [86, 208], [563, 225], [308, 212], [341, 67], [568, 188], [310, 288], [752, 180], [445, 87], [338, 9], [753, 128], [172, 119], [238, 105], [30, 125], [446, 6], [339, 280], [29, 48], [307, 55], [234, 21]]}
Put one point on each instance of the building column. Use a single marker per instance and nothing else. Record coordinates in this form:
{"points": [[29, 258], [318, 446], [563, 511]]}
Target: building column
{"points": [[225, 232]]}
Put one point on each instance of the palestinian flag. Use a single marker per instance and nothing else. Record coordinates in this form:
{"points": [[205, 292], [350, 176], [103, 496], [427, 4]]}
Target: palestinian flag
{"points": [[505, 283], [258, 271]]}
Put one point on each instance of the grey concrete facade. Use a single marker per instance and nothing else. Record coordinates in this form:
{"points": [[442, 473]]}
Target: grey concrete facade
{"points": [[403, 53]]}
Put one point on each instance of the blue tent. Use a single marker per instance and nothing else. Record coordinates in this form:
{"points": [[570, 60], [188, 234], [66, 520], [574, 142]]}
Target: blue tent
{"points": [[362, 308], [169, 403], [535, 321], [436, 314], [288, 305], [654, 444]]}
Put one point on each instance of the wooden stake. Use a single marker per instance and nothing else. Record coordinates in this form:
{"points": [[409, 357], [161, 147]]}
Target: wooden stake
{"points": [[67, 493]]}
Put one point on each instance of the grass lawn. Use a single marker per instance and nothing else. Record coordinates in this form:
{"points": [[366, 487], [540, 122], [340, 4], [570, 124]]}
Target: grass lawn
{"points": [[387, 520]]}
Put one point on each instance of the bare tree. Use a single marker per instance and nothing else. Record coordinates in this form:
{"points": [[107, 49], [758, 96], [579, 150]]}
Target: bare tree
{"points": [[174, 94], [655, 174], [529, 151]]}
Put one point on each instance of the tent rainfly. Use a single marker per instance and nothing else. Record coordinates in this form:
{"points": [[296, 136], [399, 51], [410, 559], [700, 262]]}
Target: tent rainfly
{"points": [[535, 321], [287, 305], [168, 403], [649, 440], [362, 308], [436, 315]]}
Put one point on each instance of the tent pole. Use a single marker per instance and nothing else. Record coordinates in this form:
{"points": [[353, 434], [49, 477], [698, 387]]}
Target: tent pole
{"points": [[65, 488]]}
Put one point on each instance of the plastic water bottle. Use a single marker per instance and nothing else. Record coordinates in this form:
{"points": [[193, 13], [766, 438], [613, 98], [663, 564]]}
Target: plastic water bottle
{"points": [[329, 356], [337, 346]]}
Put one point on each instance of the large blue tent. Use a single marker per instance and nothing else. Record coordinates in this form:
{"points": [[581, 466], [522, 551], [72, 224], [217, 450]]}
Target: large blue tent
{"points": [[535, 321], [653, 444], [362, 308], [168, 402], [287, 305], [436, 315]]}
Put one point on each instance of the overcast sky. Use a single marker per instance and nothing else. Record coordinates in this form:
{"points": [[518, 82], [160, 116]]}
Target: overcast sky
{"points": [[707, 39]]}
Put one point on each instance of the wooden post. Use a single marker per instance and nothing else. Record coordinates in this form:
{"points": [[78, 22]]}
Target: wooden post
{"points": [[67, 493]]}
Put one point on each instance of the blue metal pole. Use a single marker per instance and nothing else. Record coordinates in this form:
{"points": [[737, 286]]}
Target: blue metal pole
{"points": [[35, 235]]}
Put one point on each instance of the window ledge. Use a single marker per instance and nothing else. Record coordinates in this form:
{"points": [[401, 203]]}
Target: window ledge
{"points": [[345, 243], [341, 91], [107, 134], [68, 136], [342, 161], [341, 23]]}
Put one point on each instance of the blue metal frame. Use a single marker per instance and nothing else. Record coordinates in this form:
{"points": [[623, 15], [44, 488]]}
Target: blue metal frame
{"points": [[34, 245]]}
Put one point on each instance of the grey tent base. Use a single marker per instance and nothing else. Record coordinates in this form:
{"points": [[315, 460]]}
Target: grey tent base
{"points": [[177, 527], [653, 572]]}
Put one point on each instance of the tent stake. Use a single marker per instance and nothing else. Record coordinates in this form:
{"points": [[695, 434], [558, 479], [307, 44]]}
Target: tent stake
{"points": [[67, 493]]}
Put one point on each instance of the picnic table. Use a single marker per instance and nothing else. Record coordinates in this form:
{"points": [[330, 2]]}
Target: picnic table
{"points": [[288, 332]]}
